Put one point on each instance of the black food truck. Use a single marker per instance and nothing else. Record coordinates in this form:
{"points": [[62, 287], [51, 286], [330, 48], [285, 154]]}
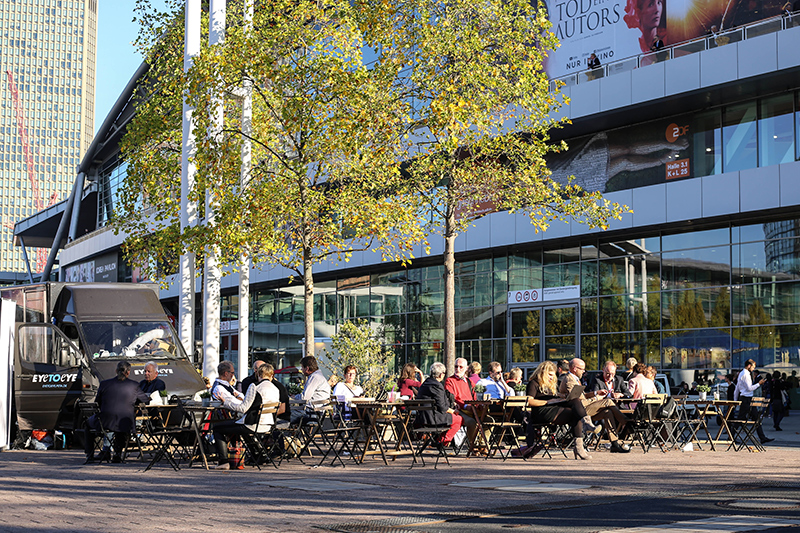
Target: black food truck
{"points": [[70, 336]]}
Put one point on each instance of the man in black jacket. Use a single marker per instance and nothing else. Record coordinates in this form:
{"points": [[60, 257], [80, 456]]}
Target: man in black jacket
{"points": [[117, 398]]}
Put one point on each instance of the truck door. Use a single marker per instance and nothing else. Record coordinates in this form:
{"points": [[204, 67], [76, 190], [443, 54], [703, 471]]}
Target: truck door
{"points": [[48, 372]]}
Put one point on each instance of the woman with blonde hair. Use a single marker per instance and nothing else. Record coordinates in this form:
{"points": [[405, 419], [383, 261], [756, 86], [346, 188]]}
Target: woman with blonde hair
{"points": [[547, 407]]}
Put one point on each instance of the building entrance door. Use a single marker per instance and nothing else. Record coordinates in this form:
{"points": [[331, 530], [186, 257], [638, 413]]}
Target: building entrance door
{"points": [[540, 333]]}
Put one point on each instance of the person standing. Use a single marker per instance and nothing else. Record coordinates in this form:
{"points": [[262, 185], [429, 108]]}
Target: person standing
{"points": [[776, 400], [744, 393]]}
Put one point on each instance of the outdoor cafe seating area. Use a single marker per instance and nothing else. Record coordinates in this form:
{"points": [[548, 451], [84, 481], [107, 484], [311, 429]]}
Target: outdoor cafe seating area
{"points": [[379, 431]]}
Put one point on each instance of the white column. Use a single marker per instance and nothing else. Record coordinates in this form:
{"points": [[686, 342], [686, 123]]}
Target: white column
{"points": [[244, 267], [191, 43], [212, 274]]}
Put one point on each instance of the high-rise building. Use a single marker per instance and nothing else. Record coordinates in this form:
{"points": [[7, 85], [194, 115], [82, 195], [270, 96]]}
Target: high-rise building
{"points": [[47, 63]]}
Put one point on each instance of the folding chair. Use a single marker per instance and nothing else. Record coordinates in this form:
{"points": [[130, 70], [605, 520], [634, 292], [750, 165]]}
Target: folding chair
{"points": [[646, 426], [426, 435], [744, 429], [549, 436], [338, 432], [101, 441], [255, 440], [505, 425], [171, 430]]}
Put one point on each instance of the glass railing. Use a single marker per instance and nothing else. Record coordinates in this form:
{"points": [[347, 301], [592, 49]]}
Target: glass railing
{"points": [[748, 31]]}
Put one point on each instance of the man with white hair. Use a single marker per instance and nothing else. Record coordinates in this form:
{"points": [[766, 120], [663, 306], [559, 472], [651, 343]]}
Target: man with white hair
{"points": [[151, 382], [463, 391]]}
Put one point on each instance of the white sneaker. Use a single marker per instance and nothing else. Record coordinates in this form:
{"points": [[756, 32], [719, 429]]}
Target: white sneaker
{"points": [[223, 466]]}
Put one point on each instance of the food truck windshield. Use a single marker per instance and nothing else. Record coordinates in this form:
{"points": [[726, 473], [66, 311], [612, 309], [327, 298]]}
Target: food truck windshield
{"points": [[130, 339]]}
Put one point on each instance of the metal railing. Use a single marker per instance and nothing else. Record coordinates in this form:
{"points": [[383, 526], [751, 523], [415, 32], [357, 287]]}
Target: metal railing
{"points": [[740, 33]]}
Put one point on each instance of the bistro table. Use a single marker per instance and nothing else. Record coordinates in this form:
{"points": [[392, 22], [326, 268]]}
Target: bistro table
{"points": [[480, 408], [170, 424], [713, 408], [378, 417]]}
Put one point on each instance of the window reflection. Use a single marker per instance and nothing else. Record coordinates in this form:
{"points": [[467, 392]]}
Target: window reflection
{"points": [[739, 137], [776, 130]]}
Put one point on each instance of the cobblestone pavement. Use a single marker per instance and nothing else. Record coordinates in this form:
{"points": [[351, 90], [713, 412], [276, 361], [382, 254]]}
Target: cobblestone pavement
{"points": [[54, 491]]}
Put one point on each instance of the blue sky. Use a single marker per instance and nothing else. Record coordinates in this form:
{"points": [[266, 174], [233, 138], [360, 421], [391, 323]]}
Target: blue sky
{"points": [[117, 59]]}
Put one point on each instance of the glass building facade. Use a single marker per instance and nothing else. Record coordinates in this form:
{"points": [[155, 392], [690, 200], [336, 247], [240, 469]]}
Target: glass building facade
{"points": [[47, 113], [699, 300]]}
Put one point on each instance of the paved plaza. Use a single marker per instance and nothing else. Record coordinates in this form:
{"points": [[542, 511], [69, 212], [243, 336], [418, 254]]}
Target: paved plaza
{"points": [[634, 493]]}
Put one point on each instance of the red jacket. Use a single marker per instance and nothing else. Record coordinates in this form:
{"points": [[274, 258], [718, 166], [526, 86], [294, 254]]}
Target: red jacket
{"points": [[460, 388]]}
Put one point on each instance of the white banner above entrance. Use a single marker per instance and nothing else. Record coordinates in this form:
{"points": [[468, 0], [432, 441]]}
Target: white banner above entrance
{"points": [[551, 294]]}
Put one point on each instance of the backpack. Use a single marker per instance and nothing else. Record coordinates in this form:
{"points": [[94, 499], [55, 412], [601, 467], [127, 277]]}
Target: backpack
{"points": [[669, 408]]}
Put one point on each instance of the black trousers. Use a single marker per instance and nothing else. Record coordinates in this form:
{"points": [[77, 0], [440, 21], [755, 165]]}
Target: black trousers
{"points": [[748, 412]]}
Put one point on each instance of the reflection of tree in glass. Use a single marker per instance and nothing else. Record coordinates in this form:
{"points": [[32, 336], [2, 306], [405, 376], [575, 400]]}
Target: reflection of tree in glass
{"points": [[688, 313], [766, 336], [721, 314], [526, 349]]}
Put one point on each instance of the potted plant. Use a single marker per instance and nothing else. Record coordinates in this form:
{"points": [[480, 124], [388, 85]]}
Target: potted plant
{"points": [[520, 389], [164, 397], [206, 398], [295, 389], [481, 394], [703, 391]]}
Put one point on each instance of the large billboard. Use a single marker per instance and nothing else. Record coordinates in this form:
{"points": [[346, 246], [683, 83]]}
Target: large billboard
{"points": [[618, 29]]}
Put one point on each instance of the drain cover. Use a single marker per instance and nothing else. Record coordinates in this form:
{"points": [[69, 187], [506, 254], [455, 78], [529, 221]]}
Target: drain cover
{"points": [[761, 503]]}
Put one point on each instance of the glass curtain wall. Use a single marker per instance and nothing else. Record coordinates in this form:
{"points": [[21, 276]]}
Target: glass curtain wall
{"points": [[685, 302]]}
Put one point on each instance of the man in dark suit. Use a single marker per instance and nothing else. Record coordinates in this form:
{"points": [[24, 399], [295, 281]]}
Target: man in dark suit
{"points": [[117, 398], [442, 413], [611, 382]]}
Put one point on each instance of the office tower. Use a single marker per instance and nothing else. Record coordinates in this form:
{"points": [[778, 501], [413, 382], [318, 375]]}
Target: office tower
{"points": [[47, 64]]}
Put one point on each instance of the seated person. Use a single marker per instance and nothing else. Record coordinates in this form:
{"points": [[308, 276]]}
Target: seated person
{"points": [[514, 377], [547, 407], [641, 384], [117, 398], [598, 407], [495, 385], [474, 372], [316, 389], [347, 390], [410, 380], [609, 381], [441, 414], [250, 406], [151, 382], [462, 390]]}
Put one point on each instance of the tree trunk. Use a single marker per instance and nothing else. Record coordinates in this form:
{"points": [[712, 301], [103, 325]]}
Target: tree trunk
{"points": [[308, 302], [450, 292]]}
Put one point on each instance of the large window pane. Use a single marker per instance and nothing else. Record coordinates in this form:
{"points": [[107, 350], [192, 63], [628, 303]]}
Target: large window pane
{"points": [[739, 137], [474, 290], [625, 313], [635, 274], [766, 303], [707, 144], [695, 239], [757, 262], [696, 268], [529, 278], [698, 308], [474, 323], [776, 130], [562, 275], [707, 348]]}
